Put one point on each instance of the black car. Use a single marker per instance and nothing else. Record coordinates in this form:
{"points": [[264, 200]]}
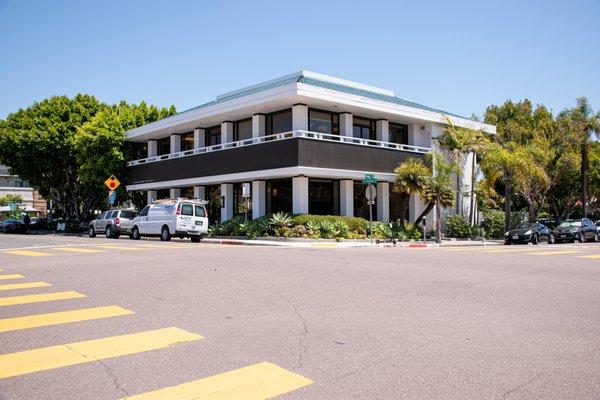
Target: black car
{"points": [[576, 229], [527, 232], [12, 226]]}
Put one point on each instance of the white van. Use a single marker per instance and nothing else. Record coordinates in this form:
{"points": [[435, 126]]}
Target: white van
{"points": [[167, 218]]}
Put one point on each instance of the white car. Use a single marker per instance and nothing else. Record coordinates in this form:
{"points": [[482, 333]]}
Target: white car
{"points": [[180, 218]]}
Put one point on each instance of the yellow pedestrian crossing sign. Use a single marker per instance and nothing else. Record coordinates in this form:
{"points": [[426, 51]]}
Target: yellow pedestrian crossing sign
{"points": [[112, 183]]}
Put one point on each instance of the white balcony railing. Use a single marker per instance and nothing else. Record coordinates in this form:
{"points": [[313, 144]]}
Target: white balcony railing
{"points": [[285, 136]]}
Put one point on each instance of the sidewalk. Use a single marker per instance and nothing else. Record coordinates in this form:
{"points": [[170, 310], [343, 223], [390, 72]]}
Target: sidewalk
{"points": [[300, 243]]}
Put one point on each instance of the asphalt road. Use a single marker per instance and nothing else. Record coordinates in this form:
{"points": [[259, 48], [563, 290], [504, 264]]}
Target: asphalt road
{"points": [[503, 322]]}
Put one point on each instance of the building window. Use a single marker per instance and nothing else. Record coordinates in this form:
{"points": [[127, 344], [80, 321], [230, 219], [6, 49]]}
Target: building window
{"points": [[279, 196], [241, 206], [398, 203], [323, 197], [363, 128], [242, 130], [279, 122], [399, 133], [187, 141], [213, 136], [323, 122], [163, 194], [187, 192], [164, 146], [213, 197], [361, 208]]}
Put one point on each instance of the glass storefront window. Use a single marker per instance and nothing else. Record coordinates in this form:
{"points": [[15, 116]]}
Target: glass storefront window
{"points": [[279, 122], [323, 197], [163, 194], [398, 205], [323, 122], [363, 128], [213, 196], [241, 206], [361, 208], [213, 136], [399, 133], [187, 192], [279, 196], [242, 130]]}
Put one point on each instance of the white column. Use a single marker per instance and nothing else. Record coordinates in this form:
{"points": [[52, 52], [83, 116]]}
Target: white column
{"points": [[175, 143], [346, 124], [199, 138], [258, 199], [347, 197], [226, 201], [152, 148], [174, 193], [226, 132], [300, 117], [200, 192], [300, 195], [383, 201], [151, 196], [382, 129], [258, 125]]}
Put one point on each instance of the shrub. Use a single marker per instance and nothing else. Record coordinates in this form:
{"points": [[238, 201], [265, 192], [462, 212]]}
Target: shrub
{"points": [[493, 223], [355, 224], [457, 226]]}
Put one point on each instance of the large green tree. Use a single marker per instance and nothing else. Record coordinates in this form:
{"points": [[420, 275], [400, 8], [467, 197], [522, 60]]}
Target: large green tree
{"points": [[586, 126], [39, 144]]}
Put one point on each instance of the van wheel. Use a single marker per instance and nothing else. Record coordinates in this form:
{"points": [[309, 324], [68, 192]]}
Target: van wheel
{"points": [[135, 233], [195, 239], [165, 235], [108, 232], [92, 232]]}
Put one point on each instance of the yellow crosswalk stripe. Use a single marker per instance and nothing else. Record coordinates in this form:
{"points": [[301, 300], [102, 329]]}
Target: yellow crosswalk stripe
{"points": [[255, 382], [27, 285], [119, 247], [592, 256], [77, 250], [26, 362], [555, 252], [11, 276], [62, 317], [38, 298], [506, 250], [28, 253]]}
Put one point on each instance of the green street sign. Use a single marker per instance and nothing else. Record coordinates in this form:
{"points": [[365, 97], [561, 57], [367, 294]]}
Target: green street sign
{"points": [[369, 179]]}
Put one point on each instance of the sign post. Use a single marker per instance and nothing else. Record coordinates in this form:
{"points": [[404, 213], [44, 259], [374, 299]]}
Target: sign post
{"points": [[246, 196], [370, 194]]}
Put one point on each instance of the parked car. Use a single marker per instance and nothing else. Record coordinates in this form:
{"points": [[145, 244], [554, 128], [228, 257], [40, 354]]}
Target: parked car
{"points": [[181, 218], [112, 223], [576, 229], [551, 223], [529, 232], [12, 226], [598, 226]]}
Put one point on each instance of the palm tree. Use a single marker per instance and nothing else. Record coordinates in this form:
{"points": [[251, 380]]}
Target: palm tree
{"points": [[514, 163], [459, 143], [437, 190], [586, 126], [410, 179]]}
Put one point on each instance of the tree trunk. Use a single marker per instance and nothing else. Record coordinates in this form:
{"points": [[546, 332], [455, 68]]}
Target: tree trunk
{"points": [[438, 222], [507, 198], [472, 198], [458, 190], [584, 170]]}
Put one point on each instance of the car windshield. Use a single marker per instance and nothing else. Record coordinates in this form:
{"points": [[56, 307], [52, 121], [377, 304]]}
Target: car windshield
{"points": [[570, 224], [525, 225]]}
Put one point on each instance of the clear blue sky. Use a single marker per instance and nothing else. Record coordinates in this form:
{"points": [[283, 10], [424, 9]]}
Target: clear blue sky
{"points": [[460, 56]]}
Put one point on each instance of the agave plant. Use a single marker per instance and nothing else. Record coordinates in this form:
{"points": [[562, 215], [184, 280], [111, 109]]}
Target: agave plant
{"points": [[280, 220], [327, 229], [341, 229]]}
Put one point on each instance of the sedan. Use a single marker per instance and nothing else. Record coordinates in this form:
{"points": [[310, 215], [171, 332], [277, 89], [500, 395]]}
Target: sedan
{"points": [[576, 229], [527, 232], [13, 226]]}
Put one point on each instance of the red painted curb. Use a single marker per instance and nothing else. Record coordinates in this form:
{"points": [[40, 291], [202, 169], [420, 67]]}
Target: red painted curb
{"points": [[417, 245]]}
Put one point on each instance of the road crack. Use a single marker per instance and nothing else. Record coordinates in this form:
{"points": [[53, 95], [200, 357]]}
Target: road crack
{"points": [[519, 387], [303, 323], [114, 377]]}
